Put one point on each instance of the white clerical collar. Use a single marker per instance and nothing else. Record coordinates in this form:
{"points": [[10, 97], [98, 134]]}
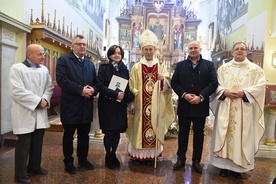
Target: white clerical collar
{"points": [[149, 63]]}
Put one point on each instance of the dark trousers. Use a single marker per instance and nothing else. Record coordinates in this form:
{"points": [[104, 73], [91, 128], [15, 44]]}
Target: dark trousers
{"points": [[183, 137], [82, 141], [111, 142], [28, 146]]}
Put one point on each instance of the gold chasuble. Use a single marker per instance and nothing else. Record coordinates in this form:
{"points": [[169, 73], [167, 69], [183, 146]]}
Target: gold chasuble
{"points": [[150, 122]]}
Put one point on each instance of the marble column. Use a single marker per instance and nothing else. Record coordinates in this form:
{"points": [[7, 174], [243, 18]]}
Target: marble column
{"points": [[267, 145], [95, 130], [95, 136], [270, 127]]}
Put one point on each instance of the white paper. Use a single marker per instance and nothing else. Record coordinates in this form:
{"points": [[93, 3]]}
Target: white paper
{"points": [[118, 83]]}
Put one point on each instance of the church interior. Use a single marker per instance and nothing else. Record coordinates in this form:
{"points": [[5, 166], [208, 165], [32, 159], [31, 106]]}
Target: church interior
{"points": [[215, 24]]}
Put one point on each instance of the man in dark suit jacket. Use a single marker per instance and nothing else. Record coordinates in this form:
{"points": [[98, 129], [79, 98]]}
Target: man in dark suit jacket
{"points": [[194, 80], [76, 76]]}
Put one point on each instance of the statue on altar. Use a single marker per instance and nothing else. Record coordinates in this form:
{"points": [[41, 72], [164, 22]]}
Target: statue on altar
{"points": [[178, 30], [136, 31]]}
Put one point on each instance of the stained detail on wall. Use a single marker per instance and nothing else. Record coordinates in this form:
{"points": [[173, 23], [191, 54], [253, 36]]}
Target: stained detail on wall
{"points": [[94, 9], [228, 12]]}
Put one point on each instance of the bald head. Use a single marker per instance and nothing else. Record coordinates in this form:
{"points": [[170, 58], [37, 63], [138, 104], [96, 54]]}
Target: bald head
{"points": [[194, 43], [35, 54], [194, 50]]}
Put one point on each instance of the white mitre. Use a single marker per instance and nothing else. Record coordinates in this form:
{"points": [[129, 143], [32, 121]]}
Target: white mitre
{"points": [[148, 38]]}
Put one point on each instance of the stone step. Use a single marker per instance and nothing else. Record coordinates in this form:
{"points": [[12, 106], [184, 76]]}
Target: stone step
{"points": [[55, 125], [9, 139]]}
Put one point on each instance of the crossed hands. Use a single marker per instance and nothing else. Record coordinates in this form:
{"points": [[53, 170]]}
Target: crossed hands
{"points": [[234, 94], [42, 104], [87, 91], [192, 98]]}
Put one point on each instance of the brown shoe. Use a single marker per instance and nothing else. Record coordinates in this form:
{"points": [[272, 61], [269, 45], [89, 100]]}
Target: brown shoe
{"points": [[178, 165], [197, 167]]}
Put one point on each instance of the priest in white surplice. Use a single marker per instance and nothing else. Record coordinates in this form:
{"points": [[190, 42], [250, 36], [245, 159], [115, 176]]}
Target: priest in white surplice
{"points": [[239, 124], [31, 89]]}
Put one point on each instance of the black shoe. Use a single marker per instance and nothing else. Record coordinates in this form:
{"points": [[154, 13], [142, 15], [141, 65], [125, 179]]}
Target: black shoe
{"points": [[40, 171], [150, 163], [115, 161], [109, 161], [178, 165], [24, 180], [70, 168], [136, 162], [223, 173], [236, 175], [86, 164], [197, 167]]}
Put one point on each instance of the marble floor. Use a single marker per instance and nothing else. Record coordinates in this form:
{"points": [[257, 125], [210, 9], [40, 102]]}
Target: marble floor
{"points": [[264, 172]]}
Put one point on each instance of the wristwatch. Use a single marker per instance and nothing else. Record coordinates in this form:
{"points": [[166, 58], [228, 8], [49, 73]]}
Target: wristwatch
{"points": [[201, 98]]}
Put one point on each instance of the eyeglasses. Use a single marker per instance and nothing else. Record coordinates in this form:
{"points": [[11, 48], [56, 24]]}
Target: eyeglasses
{"points": [[240, 49], [80, 44]]}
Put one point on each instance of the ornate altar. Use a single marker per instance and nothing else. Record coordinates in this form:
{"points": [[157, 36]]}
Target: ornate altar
{"points": [[174, 25]]}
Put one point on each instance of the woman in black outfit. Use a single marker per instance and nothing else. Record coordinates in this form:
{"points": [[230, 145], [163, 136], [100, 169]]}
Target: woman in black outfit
{"points": [[113, 103]]}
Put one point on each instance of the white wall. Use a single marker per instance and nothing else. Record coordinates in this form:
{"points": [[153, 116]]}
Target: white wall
{"points": [[207, 14], [114, 26]]}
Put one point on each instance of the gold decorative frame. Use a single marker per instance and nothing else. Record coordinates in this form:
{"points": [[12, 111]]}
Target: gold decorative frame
{"points": [[270, 95]]}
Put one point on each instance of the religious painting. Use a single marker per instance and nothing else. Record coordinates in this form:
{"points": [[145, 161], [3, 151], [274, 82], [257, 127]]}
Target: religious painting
{"points": [[96, 43], [230, 11], [190, 34], [124, 33], [90, 38], [93, 8], [158, 25], [136, 32], [270, 95], [178, 36], [125, 45]]}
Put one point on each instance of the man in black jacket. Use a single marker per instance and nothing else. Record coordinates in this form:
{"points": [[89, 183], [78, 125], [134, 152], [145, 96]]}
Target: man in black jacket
{"points": [[76, 75], [194, 80]]}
